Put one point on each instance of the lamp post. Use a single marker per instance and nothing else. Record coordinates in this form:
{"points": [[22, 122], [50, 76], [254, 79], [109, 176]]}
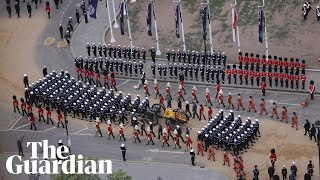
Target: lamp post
{"points": [[317, 125], [158, 52], [114, 16], [265, 28]]}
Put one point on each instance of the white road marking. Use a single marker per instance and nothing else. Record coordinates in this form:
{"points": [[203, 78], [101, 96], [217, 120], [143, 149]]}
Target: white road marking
{"points": [[65, 9], [50, 129], [123, 83], [15, 122], [157, 151], [21, 126], [86, 127]]}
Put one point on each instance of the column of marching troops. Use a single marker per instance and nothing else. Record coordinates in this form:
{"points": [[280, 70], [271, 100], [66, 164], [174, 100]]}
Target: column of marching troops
{"points": [[278, 72]]}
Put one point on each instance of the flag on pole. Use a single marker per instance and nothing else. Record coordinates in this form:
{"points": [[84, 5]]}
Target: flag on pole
{"points": [[122, 13], [261, 18], [93, 8], [177, 20], [149, 16], [234, 23], [203, 12]]}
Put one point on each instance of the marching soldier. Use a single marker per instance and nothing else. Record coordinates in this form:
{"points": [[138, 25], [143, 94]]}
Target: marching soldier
{"points": [[230, 101], [192, 154], [176, 139], [17, 8], [284, 114], [210, 113], [263, 86], [270, 76], [153, 69], [164, 137], [202, 72], [229, 75], [94, 49], [246, 75], [49, 115], [257, 75], [143, 52], [201, 112], [121, 132], [200, 148], [274, 110], [194, 94], [160, 70], [297, 78], [156, 88], [211, 153], [220, 98], [246, 61], [25, 81], [100, 49], [110, 132], [88, 48], [263, 107], [287, 77], [208, 100], [240, 72], [312, 89], [15, 104], [31, 120], [59, 119], [190, 71], [188, 143], [136, 134], [98, 130], [40, 113], [168, 54], [153, 54], [251, 105], [208, 70], [240, 59], [257, 62], [146, 89], [149, 136], [294, 120], [252, 74], [130, 66], [141, 67], [164, 69], [226, 158], [170, 70], [135, 68]]}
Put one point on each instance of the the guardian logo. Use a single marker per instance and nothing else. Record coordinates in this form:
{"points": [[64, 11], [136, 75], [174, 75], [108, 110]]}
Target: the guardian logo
{"points": [[49, 163]]}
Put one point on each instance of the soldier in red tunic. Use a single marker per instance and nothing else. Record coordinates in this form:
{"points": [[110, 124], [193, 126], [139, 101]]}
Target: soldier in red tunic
{"points": [[274, 110], [291, 77], [263, 86], [257, 75], [91, 75], [146, 89], [79, 72], [282, 77], [257, 62], [220, 99], [156, 88], [176, 139], [240, 73], [246, 75], [194, 94], [252, 61], [180, 96], [218, 89], [188, 143], [86, 75], [31, 120], [49, 115], [251, 105], [40, 114], [230, 101], [240, 59], [149, 136], [105, 79], [312, 89], [270, 77], [226, 158], [297, 78], [168, 93], [98, 130], [200, 148], [164, 137], [136, 134], [29, 107], [208, 100], [60, 119], [284, 114], [246, 61], [251, 77], [210, 113], [263, 107], [15, 104], [211, 153], [286, 65], [276, 78], [303, 65], [201, 112], [98, 78], [121, 132], [234, 73], [110, 132], [264, 61], [113, 82], [229, 74]]}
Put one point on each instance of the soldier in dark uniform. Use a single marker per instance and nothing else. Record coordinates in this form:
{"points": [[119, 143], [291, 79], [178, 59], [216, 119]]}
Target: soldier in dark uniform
{"points": [[198, 58], [194, 57], [191, 71], [208, 70], [143, 54], [179, 55], [214, 58], [196, 70], [170, 70], [164, 69], [224, 59], [88, 46], [189, 56], [114, 51], [212, 73], [135, 68], [202, 72], [203, 58], [141, 67], [125, 68], [160, 70], [183, 56], [44, 71], [130, 67], [186, 70], [134, 53], [9, 10], [17, 8], [175, 70], [223, 74], [168, 54], [123, 151], [100, 50], [153, 69], [153, 54], [173, 55], [219, 58], [138, 52], [29, 9]]}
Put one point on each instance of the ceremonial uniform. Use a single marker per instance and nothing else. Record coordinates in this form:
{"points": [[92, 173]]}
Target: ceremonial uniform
{"points": [[211, 153], [251, 105], [294, 120], [98, 130], [136, 134], [31, 120], [312, 89], [226, 158], [230, 101], [274, 110], [240, 104], [164, 137], [263, 107], [200, 148], [208, 100]]}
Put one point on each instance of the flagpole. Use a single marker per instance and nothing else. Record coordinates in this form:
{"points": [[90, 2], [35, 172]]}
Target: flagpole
{"points": [[210, 31], [114, 16], [128, 22], [112, 40], [182, 27], [158, 52]]}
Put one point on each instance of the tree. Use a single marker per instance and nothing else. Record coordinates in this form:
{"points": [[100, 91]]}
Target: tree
{"points": [[119, 175], [62, 176]]}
